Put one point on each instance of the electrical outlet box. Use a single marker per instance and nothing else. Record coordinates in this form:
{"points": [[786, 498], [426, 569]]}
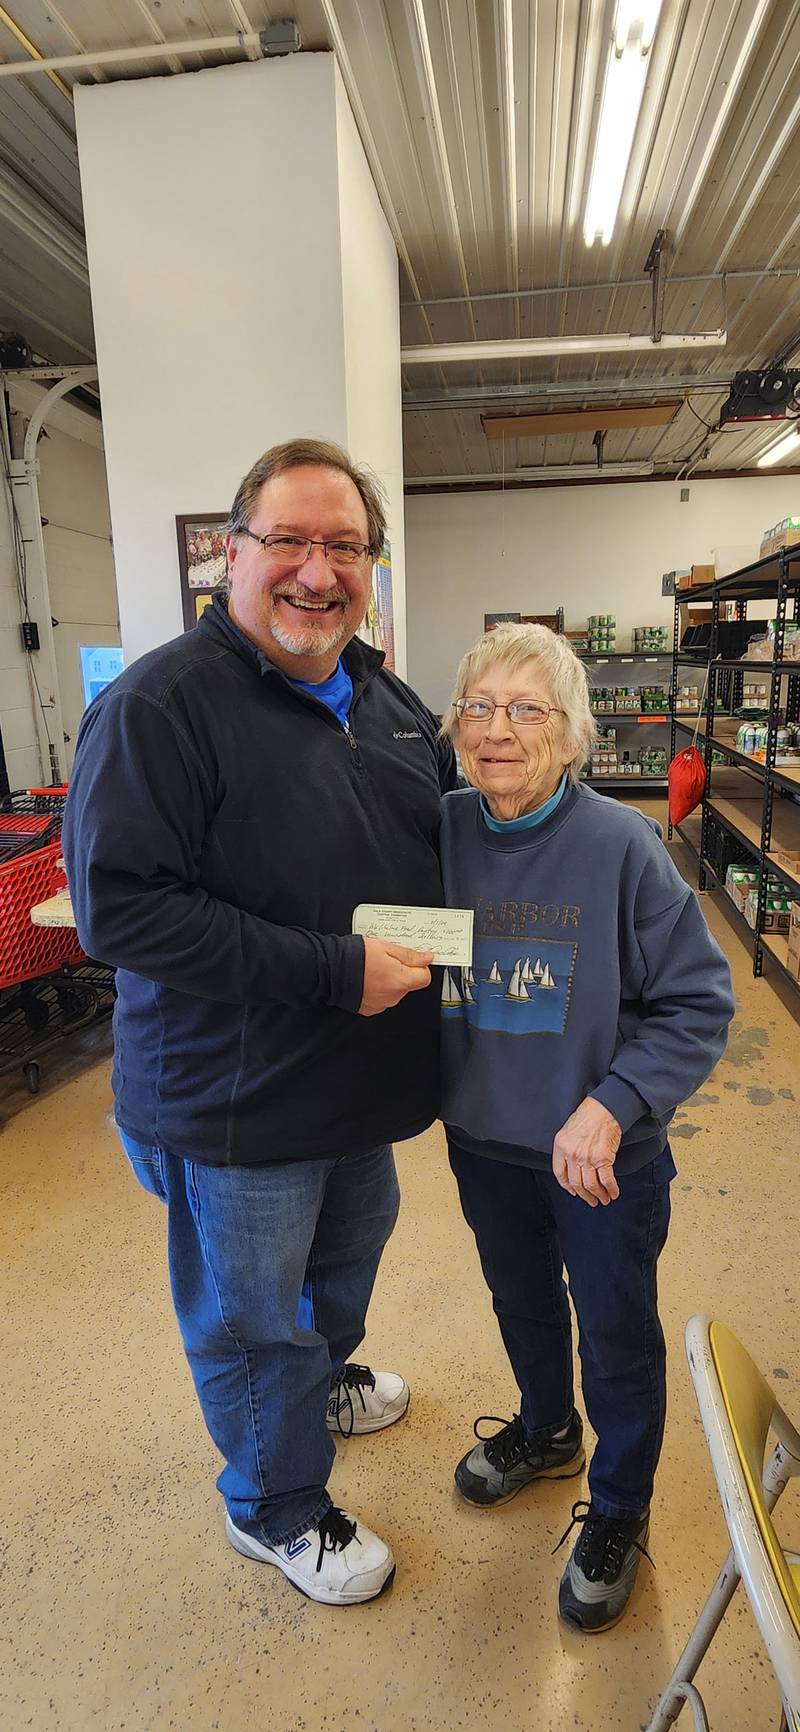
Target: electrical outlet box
{"points": [[281, 37]]}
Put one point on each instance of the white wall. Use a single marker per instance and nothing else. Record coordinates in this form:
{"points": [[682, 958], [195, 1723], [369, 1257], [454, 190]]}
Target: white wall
{"points": [[212, 206], [594, 549], [371, 304]]}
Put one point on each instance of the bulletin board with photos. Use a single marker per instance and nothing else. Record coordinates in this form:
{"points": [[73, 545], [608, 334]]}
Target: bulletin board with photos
{"points": [[201, 559]]}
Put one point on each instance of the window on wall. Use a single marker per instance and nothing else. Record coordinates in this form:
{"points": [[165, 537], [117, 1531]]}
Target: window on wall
{"points": [[100, 664]]}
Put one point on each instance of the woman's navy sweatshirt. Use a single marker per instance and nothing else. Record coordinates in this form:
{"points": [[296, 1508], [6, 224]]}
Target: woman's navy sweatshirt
{"points": [[594, 973]]}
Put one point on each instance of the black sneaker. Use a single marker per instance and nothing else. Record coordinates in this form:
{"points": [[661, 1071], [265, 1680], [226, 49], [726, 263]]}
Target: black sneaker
{"points": [[499, 1466], [600, 1576]]}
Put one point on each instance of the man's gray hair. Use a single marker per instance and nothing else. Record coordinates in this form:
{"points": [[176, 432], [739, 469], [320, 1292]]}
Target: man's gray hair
{"points": [[514, 645], [315, 454]]}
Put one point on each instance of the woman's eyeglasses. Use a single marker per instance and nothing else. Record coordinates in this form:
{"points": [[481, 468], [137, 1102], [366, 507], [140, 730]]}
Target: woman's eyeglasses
{"points": [[523, 712]]}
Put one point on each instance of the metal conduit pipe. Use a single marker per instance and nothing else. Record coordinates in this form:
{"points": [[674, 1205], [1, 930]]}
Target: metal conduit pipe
{"points": [[243, 40], [601, 343], [605, 288]]}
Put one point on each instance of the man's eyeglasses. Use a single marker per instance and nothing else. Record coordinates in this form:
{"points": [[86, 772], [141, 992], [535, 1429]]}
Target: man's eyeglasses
{"points": [[523, 712], [293, 550]]}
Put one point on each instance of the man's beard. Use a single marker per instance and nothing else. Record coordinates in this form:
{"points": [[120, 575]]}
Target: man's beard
{"points": [[310, 640]]}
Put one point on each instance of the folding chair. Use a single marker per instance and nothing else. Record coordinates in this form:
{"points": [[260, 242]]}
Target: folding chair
{"points": [[739, 1410]]}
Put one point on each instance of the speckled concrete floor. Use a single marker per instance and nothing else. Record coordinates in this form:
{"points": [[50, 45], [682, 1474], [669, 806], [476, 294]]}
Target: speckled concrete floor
{"points": [[122, 1606]]}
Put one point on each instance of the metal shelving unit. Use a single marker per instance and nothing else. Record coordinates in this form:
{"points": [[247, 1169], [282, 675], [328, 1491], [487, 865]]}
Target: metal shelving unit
{"points": [[757, 805], [659, 664]]}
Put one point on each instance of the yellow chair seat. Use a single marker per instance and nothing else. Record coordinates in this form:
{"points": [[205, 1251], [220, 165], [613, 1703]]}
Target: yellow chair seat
{"points": [[739, 1413], [750, 1402]]}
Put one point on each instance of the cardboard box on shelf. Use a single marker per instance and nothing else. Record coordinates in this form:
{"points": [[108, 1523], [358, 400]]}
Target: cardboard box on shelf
{"points": [[789, 858], [793, 954], [739, 881], [699, 614], [699, 574], [740, 895], [785, 534], [776, 912]]}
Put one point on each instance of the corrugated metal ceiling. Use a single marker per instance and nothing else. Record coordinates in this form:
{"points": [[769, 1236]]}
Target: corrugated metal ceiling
{"points": [[478, 117]]}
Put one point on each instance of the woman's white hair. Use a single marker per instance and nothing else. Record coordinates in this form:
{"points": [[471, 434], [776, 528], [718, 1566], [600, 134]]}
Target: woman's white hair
{"points": [[514, 645]]}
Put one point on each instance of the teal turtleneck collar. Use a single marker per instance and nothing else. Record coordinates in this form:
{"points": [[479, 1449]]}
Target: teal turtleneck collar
{"points": [[529, 820]]}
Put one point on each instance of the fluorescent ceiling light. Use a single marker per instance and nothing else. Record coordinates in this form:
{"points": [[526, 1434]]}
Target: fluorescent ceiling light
{"points": [[518, 348], [635, 24], [783, 447]]}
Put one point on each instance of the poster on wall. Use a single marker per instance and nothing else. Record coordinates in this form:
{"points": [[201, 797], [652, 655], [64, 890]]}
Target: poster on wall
{"points": [[382, 586], [201, 558]]}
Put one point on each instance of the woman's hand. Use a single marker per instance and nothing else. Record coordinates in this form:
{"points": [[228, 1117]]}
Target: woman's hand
{"points": [[584, 1151]]}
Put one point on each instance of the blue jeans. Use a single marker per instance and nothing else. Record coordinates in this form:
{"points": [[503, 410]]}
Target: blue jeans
{"points": [[272, 1269], [527, 1228]]}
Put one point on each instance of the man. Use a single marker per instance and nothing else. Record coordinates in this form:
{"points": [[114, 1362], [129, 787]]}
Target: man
{"points": [[234, 796]]}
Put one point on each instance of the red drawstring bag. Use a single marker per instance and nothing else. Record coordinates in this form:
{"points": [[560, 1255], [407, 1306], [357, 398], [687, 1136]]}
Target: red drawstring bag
{"points": [[687, 779], [686, 775]]}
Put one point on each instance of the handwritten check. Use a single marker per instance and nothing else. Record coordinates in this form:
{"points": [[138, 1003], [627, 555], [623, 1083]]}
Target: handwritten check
{"points": [[445, 931]]}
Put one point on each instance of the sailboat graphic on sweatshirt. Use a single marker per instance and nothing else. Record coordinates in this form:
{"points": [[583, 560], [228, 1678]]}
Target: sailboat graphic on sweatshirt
{"points": [[506, 992]]}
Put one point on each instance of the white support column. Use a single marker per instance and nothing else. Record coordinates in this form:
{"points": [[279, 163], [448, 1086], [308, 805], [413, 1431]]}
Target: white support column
{"points": [[244, 287]]}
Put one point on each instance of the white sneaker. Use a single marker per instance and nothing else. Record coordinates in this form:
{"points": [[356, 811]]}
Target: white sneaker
{"points": [[362, 1400], [338, 1562]]}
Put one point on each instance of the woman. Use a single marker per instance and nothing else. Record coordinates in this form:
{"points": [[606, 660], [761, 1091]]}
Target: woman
{"points": [[597, 1000]]}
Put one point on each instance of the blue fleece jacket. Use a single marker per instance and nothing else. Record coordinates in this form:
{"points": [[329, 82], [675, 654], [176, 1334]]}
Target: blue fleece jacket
{"points": [[594, 973]]}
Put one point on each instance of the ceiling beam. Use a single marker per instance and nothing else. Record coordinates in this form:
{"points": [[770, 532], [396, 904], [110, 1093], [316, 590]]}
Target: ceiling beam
{"points": [[580, 391], [420, 487], [25, 211], [606, 416]]}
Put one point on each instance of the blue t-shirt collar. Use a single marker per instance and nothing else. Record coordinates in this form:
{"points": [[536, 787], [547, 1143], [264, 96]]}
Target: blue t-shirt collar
{"points": [[529, 820], [336, 692]]}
